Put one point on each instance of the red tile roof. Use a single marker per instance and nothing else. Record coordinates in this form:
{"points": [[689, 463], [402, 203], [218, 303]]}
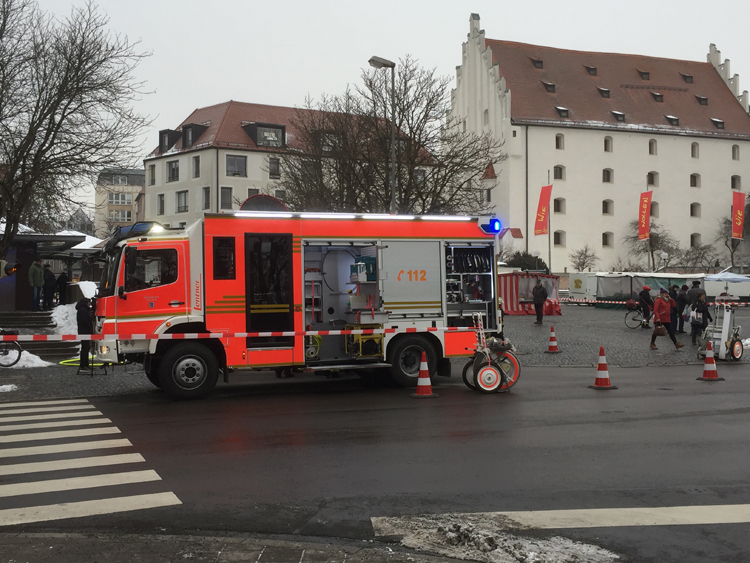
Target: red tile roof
{"points": [[514, 232], [576, 89]]}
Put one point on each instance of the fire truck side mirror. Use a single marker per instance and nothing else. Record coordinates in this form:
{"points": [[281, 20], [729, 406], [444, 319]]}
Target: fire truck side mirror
{"points": [[121, 293]]}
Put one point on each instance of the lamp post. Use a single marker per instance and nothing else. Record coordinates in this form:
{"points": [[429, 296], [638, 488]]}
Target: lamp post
{"points": [[664, 257], [378, 62], [535, 254]]}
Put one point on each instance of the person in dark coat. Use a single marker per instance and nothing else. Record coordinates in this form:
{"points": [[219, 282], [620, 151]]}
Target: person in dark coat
{"points": [[682, 303], [700, 307], [694, 292], [49, 288], [62, 288], [540, 296], [646, 304], [85, 326]]}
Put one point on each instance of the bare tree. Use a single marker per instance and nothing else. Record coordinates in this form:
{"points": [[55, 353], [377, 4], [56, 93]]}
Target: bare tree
{"points": [[339, 157], [619, 265], [66, 91], [661, 240], [583, 258]]}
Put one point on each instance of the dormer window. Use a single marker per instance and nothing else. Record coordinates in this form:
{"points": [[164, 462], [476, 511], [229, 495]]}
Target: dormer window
{"points": [[673, 120], [538, 63], [549, 86], [619, 116], [167, 139], [657, 96], [188, 137], [702, 100], [591, 70], [562, 112], [645, 75], [604, 92], [687, 77], [718, 123], [266, 134]]}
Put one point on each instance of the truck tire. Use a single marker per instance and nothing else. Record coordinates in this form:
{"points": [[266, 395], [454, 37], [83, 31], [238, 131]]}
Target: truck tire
{"points": [[188, 371], [151, 367], [406, 357]]}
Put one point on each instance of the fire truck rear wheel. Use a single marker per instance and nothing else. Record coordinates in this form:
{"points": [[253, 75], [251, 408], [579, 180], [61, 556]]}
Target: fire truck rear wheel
{"points": [[407, 357], [188, 371]]}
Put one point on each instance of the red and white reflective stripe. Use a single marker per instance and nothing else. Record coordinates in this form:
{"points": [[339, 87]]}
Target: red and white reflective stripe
{"points": [[197, 335], [571, 300]]}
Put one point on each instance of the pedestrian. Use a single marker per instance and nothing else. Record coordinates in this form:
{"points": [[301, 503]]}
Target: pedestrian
{"points": [[673, 311], [694, 291], [48, 288], [682, 304], [699, 317], [540, 296], [62, 288], [36, 281], [646, 304], [85, 326], [662, 307]]}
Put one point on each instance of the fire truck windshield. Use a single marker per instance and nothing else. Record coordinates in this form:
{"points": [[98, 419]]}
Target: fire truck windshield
{"points": [[109, 275]]}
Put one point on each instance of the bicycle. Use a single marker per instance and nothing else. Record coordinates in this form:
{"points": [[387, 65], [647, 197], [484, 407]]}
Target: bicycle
{"points": [[493, 367], [10, 350], [634, 318]]}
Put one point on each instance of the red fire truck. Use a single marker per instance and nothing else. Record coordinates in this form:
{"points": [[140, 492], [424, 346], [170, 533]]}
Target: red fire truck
{"points": [[269, 286]]}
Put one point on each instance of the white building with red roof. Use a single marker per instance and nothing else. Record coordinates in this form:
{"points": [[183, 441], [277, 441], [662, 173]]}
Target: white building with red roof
{"points": [[602, 128]]}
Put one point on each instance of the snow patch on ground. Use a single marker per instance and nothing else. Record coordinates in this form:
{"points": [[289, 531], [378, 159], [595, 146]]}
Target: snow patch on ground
{"points": [[64, 316], [7, 388], [29, 360], [481, 537]]}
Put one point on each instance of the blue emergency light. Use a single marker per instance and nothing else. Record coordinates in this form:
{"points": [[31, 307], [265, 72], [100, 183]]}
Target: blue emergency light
{"points": [[489, 225]]}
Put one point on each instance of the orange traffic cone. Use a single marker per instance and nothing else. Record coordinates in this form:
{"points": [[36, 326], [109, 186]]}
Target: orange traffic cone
{"points": [[602, 374], [424, 385], [552, 349], [709, 367]]}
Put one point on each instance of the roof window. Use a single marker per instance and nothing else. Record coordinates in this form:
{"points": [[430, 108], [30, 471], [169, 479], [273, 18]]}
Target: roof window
{"points": [[702, 100], [563, 112], [718, 122], [687, 77], [619, 116], [591, 70], [538, 63], [645, 75], [549, 86], [673, 120], [658, 97], [604, 92]]}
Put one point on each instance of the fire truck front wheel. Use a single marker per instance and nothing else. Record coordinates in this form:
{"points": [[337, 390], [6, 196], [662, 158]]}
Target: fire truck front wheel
{"points": [[406, 358], [188, 371]]}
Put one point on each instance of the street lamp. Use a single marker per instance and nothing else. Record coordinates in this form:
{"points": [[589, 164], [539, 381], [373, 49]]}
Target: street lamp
{"points": [[378, 62], [535, 254]]}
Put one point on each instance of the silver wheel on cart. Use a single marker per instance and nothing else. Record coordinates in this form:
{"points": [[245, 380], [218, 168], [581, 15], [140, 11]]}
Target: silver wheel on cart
{"points": [[487, 376], [512, 367], [735, 350]]}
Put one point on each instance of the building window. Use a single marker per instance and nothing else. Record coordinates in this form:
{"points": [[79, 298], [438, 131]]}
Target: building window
{"points": [[607, 144], [608, 176], [559, 238], [236, 165], [558, 205], [736, 183], [591, 70], [420, 176], [695, 180], [619, 116], [604, 92], [151, 174], [735, 152], [119, 199], [718, 123], [173, 171], [270, 137], [560, 141], [608, 207], [687, 77], [226, 198], [549, 86], [274, 168], [188, 137], [702, 100], [695, 209], [694, 150], [644, 75], [120, 180], [160, 204], [655, 209], [181, 201], [695, 240], [514, 132], [196, 167], [486, 116], [562, 112], [280, 194], [489, 196], [652, 146], [206, 197], [658, 97], [652, 179], [673, 120], [608, 239], [120, 215], [252, 191], [559, 172], [538, 63]]}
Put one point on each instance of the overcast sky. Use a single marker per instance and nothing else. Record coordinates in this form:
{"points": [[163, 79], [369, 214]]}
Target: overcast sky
{"points": [[278, 52]]}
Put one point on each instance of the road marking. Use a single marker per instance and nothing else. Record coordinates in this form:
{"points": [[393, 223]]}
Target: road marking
{"points": [[15, 516], [47, 416], [36, 436], [58, 424], [48, 409], [43, 403], [77, 463], [75, 483], [60, 448]]}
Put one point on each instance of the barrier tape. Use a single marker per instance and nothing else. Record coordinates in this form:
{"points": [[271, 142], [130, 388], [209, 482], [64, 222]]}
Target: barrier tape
{"points": [[201, 335], [571, 300]]}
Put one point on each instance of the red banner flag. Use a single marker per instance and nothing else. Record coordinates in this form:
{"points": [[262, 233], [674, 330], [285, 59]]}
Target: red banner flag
{"points": [[541, 224], [644, 216], [738, 214]]}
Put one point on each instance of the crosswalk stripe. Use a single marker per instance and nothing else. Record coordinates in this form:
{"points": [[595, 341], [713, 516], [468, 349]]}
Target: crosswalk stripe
{"points": [[61, 448], [74, 483], [62, 464], [46, 513], [58, 424], [43, 403], [47, 409], [36, 436], [48, 416]]}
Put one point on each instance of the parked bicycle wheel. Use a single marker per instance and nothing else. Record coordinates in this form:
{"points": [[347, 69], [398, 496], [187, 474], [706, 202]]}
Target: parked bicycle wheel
{"points": [[10, 353], [634, 318]]}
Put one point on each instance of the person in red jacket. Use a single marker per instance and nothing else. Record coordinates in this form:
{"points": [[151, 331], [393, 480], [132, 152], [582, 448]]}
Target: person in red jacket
{"points": [[662, 309]]}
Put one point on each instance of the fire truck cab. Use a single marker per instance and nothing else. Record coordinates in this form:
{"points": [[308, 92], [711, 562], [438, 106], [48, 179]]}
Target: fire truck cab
{"points": [[265, 281]]}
